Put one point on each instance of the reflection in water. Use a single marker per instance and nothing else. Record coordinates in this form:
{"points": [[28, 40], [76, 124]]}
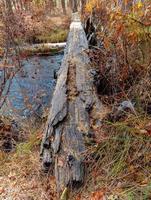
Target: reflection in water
{"points": [[32, 87]]}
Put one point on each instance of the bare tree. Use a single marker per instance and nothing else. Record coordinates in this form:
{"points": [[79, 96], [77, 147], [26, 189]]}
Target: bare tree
{"points": [[74, 4], [83, 4], [63, 6]]}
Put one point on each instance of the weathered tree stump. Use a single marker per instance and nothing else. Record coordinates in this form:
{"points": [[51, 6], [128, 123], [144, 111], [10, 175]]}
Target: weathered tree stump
{"points": [[70, 120]]}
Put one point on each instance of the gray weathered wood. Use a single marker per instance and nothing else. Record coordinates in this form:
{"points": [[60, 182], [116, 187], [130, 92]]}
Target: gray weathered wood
{"points": [[69, 121]]}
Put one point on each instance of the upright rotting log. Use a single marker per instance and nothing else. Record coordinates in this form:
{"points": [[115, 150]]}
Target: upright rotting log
{"points": [[69, 122]]}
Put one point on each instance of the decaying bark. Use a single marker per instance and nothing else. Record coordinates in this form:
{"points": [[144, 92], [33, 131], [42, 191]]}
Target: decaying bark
{"points": [[69, 122]]}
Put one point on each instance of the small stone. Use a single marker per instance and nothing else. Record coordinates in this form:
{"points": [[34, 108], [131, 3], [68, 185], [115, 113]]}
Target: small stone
{"points": [[126, 105]]}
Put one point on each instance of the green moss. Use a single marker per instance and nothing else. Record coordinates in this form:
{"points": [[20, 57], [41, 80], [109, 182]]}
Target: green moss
{"points": [[139, 193], [42, 51], [27, 147], [55, 36]]}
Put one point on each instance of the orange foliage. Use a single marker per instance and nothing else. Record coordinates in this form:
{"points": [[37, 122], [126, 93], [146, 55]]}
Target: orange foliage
{"points": [[124, 29], [91, 4], [98, 195]]}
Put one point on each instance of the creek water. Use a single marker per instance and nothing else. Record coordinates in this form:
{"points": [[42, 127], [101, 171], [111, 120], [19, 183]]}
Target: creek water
{"points": [[32, 88]]}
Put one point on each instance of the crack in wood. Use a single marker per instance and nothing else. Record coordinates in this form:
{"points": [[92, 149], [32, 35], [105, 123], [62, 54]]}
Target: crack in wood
{"points": [[74, 98]]}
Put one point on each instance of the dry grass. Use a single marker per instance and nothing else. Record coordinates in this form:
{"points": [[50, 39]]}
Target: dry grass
{"points": [[55, 36], [21, 176], [120, 163]]}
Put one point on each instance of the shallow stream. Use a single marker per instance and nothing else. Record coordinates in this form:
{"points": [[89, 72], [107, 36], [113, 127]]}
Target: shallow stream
{"points": [[31, 89]]}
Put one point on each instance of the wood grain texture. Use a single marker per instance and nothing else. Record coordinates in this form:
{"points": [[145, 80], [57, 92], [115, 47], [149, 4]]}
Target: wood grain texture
{"points": [[68, 124]]}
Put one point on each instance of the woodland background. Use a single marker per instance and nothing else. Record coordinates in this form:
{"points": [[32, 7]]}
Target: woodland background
{"points": [[119, 158]]}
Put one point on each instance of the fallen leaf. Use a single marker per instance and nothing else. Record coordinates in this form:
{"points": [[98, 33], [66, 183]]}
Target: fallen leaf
{"points": [[148, 128], [2, 190], [98, 195]]}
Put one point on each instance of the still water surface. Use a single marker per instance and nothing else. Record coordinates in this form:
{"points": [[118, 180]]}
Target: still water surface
{"points": [[32, 88]]}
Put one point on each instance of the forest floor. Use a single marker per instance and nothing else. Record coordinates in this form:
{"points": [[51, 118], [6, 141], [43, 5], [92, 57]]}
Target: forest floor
{"points": [[118, 162], [118, 165], [21, 176]]}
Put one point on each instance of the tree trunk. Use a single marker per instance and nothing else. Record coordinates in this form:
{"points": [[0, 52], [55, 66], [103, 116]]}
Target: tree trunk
{"points": [[63, 6], [83, 4], [70, 121], [74, 6], [14, 4]]}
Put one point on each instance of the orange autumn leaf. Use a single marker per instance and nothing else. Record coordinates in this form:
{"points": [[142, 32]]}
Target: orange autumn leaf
{"points": [[98, 195], [148, 128], [91, 4], [106, 43], [132, 37], [78, 197], [119, 29]]}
